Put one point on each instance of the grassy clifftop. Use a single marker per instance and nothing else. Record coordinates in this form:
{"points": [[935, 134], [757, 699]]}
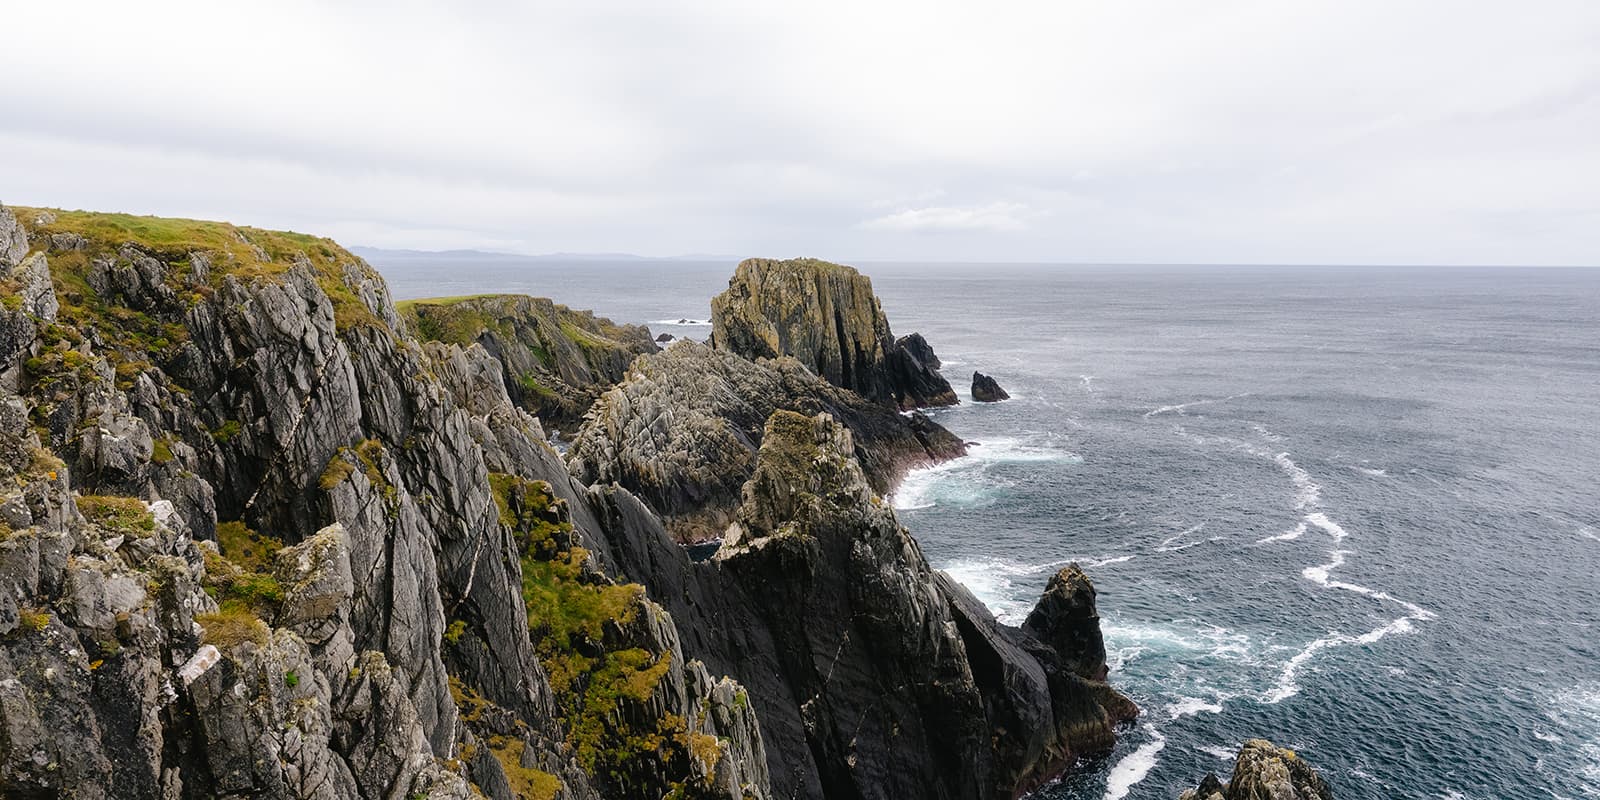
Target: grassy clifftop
{"points": [[196, 256], [556, 359]]}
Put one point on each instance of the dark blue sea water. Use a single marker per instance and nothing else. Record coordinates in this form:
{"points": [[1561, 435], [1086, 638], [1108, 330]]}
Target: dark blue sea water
{"points": [[1353, 511]]}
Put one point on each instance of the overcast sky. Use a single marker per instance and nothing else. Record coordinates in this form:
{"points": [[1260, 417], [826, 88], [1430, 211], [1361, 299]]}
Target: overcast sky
{"points": [[1240, 132]]}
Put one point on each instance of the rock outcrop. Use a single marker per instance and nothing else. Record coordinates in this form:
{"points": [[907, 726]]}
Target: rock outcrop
{"points": [[873, 675], [826, 316], [258, 540], [986, 390], [555, 360], [1264, 772], [682, 432]]}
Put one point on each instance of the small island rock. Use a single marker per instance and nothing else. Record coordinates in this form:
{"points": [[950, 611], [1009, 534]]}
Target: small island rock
{"points": [[986, 390]]}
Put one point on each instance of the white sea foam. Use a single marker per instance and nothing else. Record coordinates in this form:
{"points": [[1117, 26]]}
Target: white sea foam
{"points": [[1307, 493], [681, 321], [1333, 529], [1134, 766], [1546, 736], [1376, 473], [1181, 409], [968, 482], [1588, 533], [1288, 535], [1218, 752], [1189, 706], [1088, 383]]}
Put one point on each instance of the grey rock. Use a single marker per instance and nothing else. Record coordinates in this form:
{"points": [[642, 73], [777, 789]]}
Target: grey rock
{"points": [[683, 429], [826, 316], [13, 238]]}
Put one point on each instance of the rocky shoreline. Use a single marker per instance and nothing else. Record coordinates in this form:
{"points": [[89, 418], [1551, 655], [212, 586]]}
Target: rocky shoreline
{"points": [[265, 533]]}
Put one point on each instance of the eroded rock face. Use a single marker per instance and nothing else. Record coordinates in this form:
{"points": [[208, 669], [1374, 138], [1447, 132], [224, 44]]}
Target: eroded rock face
{"points": [[257, 540], [986, 390], [872, 674], [682, 431], [1264, 772], [555, 360], [825, 316]]}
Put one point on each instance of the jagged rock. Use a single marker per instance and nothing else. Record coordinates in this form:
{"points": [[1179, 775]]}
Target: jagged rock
{"points": [[682, 432], [986, 390], [872, 675], [1066, 620], [1264, 772], [826, 316], [556, 360], [13, 238], [664, 338], [261, 388]]}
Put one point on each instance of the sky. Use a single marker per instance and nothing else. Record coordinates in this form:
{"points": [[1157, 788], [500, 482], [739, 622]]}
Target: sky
{"points": [[1337, 132]]}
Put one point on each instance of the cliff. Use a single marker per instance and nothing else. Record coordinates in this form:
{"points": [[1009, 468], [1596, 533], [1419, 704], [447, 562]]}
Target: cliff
{"points": [[257, 539], [825, 316], [682, 430], [1264, 771], [554, 361]]}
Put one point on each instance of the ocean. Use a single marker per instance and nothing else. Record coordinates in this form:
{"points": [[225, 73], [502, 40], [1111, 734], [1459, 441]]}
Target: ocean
{"points": [[1355, 511]]}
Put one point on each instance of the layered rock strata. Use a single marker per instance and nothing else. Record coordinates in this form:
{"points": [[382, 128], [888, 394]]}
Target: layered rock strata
{"points": [[825, 316]]}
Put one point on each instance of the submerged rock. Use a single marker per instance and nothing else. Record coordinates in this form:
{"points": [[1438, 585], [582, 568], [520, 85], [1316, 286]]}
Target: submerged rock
{"points": [[986, 390], [683, 429], [826, 316], [1264, 772]]}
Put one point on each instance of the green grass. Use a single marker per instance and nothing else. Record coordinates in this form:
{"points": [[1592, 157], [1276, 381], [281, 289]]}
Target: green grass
{"points": [[123, 514], [573, 619]]}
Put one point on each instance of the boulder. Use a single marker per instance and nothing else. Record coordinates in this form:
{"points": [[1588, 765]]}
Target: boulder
{"points": [[986, 390]]}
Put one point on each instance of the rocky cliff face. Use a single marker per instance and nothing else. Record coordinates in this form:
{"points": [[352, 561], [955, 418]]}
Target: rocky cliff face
{"points": [[682, 430], [257, 540], [555, 361], [223, 394], [1264, 772], [825, 316]]}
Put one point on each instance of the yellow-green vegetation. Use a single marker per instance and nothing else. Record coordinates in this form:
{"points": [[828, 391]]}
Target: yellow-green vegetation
{"points": [[576, 619], [453, 320], [526, 783], [240, 579], [32, 620], [242, 252], [368, 458], [227, 431], [122, 514], [337, 470], [246, 548], [161, 453], [291, 679], [454, 632], [233, 624]]}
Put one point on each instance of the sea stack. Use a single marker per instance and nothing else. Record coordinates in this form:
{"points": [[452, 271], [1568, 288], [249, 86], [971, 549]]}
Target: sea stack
{"points": [[826, 316], [1264, 771], [986, 390]]}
